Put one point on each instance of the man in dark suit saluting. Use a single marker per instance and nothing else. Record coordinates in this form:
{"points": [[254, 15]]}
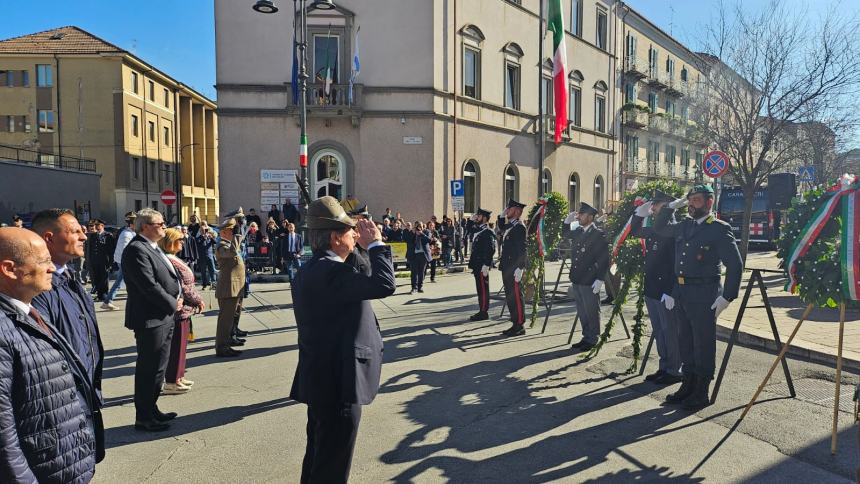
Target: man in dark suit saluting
{"points": [[340, 346], [154, 295]]}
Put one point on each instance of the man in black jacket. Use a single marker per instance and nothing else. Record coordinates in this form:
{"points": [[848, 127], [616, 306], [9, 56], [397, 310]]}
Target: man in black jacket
{"points": [[46, 399], [68, 307], [659, 283], [99, 258], [154, 296], [340, 346], [418, 255], [480, 261], [589, 260], [512, 263]]}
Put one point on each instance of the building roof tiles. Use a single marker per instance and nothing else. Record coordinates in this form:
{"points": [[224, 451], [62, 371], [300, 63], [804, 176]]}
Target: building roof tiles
{"points": [[62, 40]]}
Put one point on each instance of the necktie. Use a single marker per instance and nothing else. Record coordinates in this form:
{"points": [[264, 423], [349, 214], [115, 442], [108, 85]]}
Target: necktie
{"points": [[41, 322]]}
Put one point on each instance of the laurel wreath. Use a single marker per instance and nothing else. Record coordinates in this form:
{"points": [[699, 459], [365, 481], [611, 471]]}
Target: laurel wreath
{"points": [[554, 215]]}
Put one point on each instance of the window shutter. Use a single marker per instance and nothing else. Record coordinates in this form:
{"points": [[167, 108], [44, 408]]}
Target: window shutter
{"points": [[2, 78]]}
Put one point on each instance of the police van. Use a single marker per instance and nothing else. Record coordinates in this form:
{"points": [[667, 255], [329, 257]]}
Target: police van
{"points": [[764, 222]]}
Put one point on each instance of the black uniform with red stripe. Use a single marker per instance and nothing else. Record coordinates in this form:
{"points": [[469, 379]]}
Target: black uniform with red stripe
{"points": [[513, 257], [483, 249]]}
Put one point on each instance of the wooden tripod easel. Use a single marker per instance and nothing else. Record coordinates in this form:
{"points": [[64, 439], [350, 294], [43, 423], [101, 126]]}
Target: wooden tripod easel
{"points": [[781, 356]]}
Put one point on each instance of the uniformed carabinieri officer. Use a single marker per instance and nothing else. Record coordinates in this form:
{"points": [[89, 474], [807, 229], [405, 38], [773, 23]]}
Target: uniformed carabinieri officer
{"points": [[480, 260], [658, 288], [512, 263], [702, 242], [589, 260]]}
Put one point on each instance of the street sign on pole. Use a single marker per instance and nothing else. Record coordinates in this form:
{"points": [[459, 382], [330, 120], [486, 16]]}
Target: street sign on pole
{"points": [[168, 197], [715, 164], [457, 188]]}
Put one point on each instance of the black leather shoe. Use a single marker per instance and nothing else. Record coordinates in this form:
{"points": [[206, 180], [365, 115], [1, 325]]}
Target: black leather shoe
{"points": [[240, 333], [584, 347], [667, 379], [698, 398], [515, 330], [481, 316], [578, 344], [151, 426], [684, 391], [228, 353], [654, 376], [237, 342], [164, 417]]}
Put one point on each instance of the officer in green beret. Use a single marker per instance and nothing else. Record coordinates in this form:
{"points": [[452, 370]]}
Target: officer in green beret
{"points": [[702, 243]]}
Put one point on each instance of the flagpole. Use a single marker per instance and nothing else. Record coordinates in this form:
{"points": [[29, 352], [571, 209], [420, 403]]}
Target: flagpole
{"points": [[541, 120]]}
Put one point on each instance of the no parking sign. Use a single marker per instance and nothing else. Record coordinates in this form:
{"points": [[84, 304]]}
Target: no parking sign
{"points": [[715, 164]]}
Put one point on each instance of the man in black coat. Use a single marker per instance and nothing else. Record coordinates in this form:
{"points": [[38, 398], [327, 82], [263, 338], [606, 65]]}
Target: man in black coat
{"points": [[99, 258], [340, 346], [589, 260], [512, 263], [480, 261], [154, 296], [418, 255], [659, 283], [68, 307]]}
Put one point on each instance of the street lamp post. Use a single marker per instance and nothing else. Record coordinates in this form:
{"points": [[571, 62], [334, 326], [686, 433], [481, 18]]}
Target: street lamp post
{"points": [[300, 34]]}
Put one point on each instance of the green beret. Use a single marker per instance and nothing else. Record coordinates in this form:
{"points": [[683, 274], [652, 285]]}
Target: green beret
{"points": [[706, 189]]}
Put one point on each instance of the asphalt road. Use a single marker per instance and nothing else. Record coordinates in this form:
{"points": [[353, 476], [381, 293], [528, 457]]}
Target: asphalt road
{"points": [[460, 403]]}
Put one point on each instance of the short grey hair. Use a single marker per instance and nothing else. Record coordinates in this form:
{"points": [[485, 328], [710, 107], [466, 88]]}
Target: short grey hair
{"points": [[145, 216]]}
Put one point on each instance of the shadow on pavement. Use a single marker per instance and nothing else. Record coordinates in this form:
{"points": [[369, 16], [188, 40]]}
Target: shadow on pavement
{"points": [[210, 358]]}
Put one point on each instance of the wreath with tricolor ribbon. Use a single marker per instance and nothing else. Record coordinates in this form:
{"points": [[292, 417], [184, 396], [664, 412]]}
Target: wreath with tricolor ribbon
{"points": [[820, 244], [543, 235]]}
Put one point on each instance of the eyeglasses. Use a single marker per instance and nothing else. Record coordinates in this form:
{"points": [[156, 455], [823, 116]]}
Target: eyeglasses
{"points": [[157, 224]]}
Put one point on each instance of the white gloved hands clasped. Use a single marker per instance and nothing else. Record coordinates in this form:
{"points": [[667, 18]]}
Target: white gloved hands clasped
{"points": [[668, 301], [595, 287], [518, 275], [485, 270], [643, 210], [676, 204], [720, 305]]}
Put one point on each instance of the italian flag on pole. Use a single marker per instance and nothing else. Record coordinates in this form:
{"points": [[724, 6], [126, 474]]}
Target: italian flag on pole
{"points": [[303, 151], [555, 24]]}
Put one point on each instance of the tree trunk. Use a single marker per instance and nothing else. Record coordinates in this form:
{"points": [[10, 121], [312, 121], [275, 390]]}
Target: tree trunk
{"points": [[743, 245]]}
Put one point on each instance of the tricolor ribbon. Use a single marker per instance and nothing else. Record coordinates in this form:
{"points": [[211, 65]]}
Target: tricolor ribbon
{"points": [[845, 190], [628, 227], [539, 218]]}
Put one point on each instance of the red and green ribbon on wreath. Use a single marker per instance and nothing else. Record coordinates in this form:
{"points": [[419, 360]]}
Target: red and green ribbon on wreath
{"points": [[539, 229], [628, 227], [846, 192]]}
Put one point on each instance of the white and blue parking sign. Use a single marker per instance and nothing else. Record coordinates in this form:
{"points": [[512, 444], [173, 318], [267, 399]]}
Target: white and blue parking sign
{"points": [[457, 189]]}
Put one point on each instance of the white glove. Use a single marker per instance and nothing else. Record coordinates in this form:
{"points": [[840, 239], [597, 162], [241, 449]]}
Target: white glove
{"points": [[485, 270], [595, 287], [668, 301], [570, 218], [719, 305], [643, 210], [518, 275], [676, 204]]}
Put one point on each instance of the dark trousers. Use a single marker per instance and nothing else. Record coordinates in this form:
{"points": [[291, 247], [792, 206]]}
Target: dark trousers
{"points": [[331, 439], [433, 263], [99, 276], [228, 309], [178, 344], [514, 298], [153, 351], [482, 286], [417, 267], [697, 328]]}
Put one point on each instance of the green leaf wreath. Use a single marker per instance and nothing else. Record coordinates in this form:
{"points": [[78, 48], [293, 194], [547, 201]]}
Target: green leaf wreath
{"points": [[630, 263], [819, 274], [554, 215]]}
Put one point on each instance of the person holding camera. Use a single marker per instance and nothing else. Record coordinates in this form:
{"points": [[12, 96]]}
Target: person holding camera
{"points": [[418, 254], [483, 249]]}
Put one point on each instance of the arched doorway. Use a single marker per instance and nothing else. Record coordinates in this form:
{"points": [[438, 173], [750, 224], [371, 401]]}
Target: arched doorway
{"points": [[471, 187], [598, 192], [328, 174]]}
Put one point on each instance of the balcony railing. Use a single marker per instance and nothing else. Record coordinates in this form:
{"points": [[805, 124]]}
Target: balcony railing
{"points": [[336, 99], [674, 86], [658, 123], [678, 127], [633, 164], [634, 118], [635, 68], [657, 78], [27, 156], [655, 168]]}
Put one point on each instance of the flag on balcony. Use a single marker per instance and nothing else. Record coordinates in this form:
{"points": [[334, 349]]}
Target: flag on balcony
{"points": [[356, 66], [294, 81], [328, 73], [555, 24]]}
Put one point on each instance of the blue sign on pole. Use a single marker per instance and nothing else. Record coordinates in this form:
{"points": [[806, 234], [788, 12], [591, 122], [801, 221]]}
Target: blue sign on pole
{"points": [[457, 189], [806, 174]]}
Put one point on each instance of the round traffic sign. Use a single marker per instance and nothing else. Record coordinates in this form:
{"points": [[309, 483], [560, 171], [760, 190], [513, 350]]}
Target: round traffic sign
{"points": [[168, 197], [715, 164]]}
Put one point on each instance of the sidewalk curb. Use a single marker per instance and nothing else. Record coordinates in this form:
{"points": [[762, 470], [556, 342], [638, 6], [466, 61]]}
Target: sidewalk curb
{"points": [[760, 340]]}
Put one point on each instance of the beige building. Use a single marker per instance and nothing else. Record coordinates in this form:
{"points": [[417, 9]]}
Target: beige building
{"points": [[67, 92], [447, 90]]}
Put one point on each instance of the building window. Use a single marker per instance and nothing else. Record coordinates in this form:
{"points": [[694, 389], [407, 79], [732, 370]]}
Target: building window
{"points": [[10, 124], [670, 155], [166, 136], [511, 185], [151, 168], [25, 78], [44, 75], [670, 107], [630, 48], [653, 151], [10, 78], [151, 126], [601, 28], [652, 61], [325, 58], [548, 107], [471, 187], [134, 84], [167, 171], [632, 145], [685, 159], [629, 93], [685, 113], [598, 192], [652, 102], [134, 126], [135, 170], [46, 121], [546, 181], [472, 73], [670, 68], [512, 85], [575, 114], [573, 191], [151, 91], [576, 17], [599, 113], [154, 204], [166, 98], [684, 74], [330, 175], [138, 205]]}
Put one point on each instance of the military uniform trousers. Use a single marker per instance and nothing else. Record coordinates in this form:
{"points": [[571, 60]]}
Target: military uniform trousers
{"points": [[99, 276], [588, 309], [697, 327], [664, 324], [331, 430], [514, 298], [482, 285], [228, 318]]}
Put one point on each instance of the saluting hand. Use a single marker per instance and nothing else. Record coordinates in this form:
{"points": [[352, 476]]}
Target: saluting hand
{"points": [[367, 233]]}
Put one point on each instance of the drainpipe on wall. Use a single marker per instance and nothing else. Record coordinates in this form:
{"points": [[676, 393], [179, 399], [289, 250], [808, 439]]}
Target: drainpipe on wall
{"points": [[454, 90], [59, 118], [621, 169]]}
